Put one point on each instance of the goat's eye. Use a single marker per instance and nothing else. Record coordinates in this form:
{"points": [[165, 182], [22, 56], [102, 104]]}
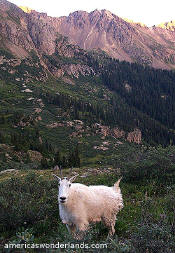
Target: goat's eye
{"points": [[69, 185]]}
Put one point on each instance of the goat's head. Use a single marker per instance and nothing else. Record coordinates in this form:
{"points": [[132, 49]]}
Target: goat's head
{"points": [[64, 186]]}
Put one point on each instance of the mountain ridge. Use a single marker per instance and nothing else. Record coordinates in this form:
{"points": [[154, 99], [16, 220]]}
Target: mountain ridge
{"points": [[119, 38], [123, 40], [128, 20]]}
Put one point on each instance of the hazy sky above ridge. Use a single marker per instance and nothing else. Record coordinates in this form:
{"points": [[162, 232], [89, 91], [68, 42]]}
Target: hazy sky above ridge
{"points": [[149, 12]]}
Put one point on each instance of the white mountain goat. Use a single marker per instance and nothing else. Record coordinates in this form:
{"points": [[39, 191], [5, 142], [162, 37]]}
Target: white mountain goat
{"points": [[80, 205]]}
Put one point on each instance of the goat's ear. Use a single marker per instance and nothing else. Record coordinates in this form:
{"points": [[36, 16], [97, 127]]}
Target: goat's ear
{"points": [[116, 185], [73, 178], [58, 178]]}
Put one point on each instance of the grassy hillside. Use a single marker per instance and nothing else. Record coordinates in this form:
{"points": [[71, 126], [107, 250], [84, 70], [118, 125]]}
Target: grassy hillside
{"points": [[82, 109], [146, 221]]}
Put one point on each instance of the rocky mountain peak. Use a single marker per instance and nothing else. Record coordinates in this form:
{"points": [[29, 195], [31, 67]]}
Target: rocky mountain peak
{"points": [[10, 7], [101, 29], [108, 14], [25, 9], [168, 25], [78, 14]]}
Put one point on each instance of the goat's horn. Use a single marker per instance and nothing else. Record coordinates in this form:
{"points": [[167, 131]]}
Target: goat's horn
{"points": [[55, 168], [60, 171], [71, 169], [57, 177], [73, 178]]}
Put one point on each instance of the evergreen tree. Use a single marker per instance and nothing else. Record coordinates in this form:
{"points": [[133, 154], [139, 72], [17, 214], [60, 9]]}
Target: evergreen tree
{"points": [[44, 163], [57, 159]]}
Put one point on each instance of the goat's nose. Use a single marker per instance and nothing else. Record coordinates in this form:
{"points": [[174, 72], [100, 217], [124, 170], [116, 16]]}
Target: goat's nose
{"points": [[63, 198]]}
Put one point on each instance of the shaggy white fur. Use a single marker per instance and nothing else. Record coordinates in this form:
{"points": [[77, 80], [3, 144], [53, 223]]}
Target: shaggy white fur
{"points": [[80, 205]]}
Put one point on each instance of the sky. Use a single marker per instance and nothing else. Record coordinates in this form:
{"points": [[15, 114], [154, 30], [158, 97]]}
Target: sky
{"points": [[149, 12]]}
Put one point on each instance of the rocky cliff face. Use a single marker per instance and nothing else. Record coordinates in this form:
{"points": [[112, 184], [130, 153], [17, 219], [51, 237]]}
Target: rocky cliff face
{"points": [[13, 30], [31, 38], [102, 29], [22, 32], [135, 136]]}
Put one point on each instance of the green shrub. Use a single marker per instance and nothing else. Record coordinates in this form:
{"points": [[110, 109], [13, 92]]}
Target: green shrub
{"points": [[153, 164], [153, 238], [27, 201]]}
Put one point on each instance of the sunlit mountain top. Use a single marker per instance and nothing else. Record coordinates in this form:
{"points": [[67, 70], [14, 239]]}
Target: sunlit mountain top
{"points": [[25, 9]]}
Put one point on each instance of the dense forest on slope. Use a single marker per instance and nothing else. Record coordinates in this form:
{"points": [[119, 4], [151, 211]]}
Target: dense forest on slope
{"points": [[149, 92]]}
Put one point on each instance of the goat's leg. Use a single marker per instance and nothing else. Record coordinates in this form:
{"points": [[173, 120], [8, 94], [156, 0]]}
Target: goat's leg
{"points": [[110, 224], [82, 226], [111, 230], [81, 229], [68, 228], [71, 228]]}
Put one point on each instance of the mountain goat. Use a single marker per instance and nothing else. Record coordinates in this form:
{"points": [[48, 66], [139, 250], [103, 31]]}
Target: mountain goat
{"points": [[80, 205]]}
